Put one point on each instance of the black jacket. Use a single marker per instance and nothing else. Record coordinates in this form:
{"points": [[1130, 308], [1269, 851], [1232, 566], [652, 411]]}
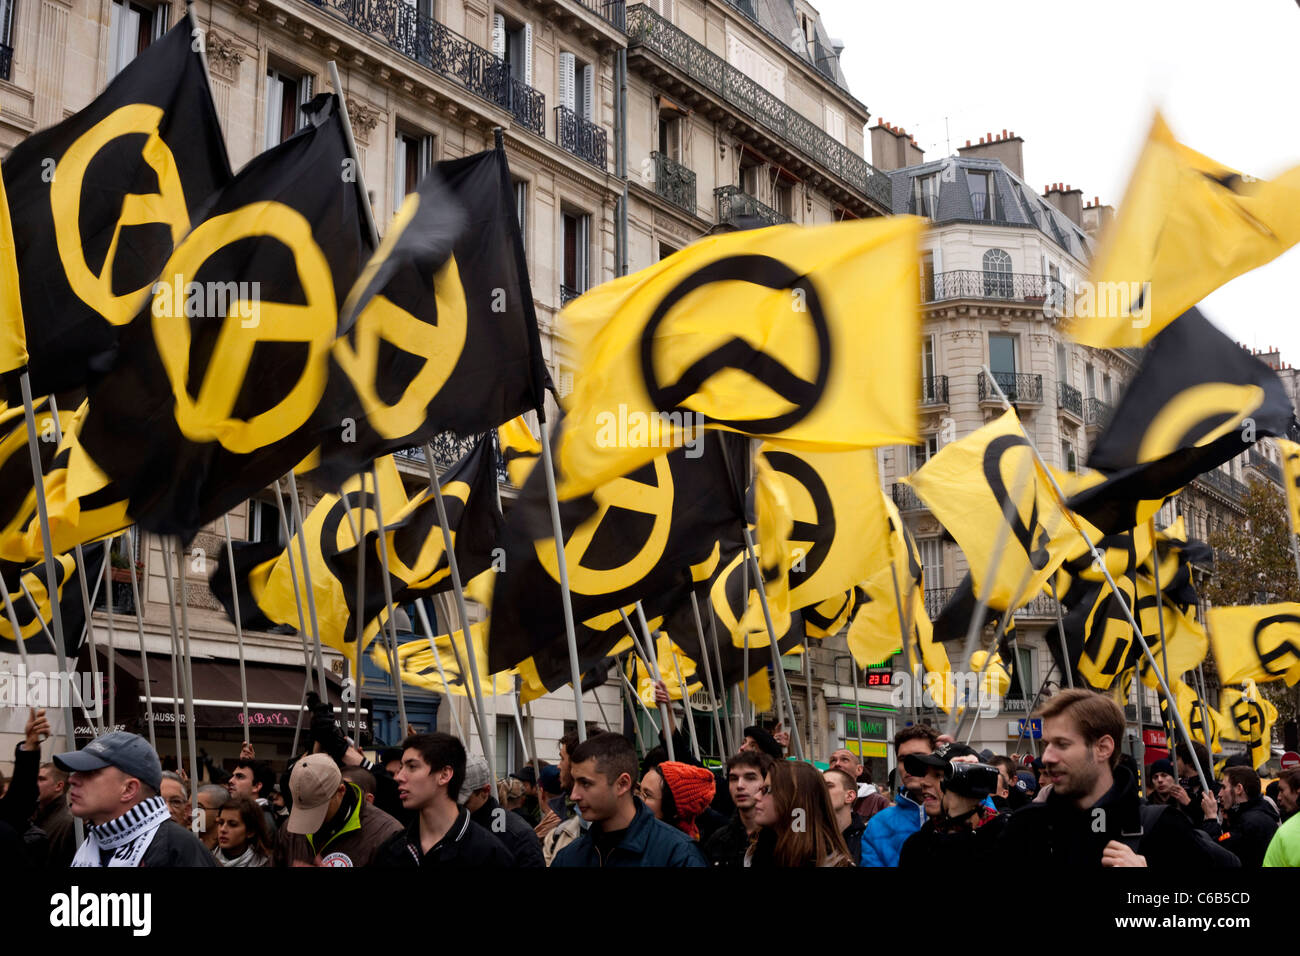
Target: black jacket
{"points": [[853, 837], [19, 802], [727, 845], [466, 845], [1056, 834], [959, 849], [513, 832], [56, 820], [173, 846], [1247, 832]]}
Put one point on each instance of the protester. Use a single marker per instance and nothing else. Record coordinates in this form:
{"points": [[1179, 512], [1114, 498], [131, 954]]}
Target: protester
{"points": [[869, 800], [797, 826], [1288, 792], [21, 843], [364, 779], [678, 793], [115, 787], [1188, 794], [623, 831], [53, 816], [1284, 848], [210, 798], [510, 793], [1162, 783], [960, 830], [1248, 821], [330, 823], [242, 837], [889, 829], [516, 835], [844, 795], [746, 773], [442, 833], [1092, 816], [176, 795], [756, 738], [562, 807], [530, 809]]}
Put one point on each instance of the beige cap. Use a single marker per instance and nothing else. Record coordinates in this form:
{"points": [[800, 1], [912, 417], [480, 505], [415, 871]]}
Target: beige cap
{"points": [[312, 784]]}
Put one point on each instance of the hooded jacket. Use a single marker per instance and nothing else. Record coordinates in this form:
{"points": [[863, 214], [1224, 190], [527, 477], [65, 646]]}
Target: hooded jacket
{"points": [[646, 842], [351, 837], [888, 830], [1247, 831], [1057, 834]]}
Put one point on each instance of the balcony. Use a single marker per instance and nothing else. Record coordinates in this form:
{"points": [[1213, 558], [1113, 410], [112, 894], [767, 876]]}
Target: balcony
{"points": [[647, 30], [613, 12], [1043, 605], [1069, 399], [936, 598], [1002, 286], [449, 449], [1019, 387], [674, 182], [934, 390], [567, 295], [581, 137], [905, 498], [429, 43], [1265, 467], [1096, 413], [6, 60], [1225, 485], [740, 209]]}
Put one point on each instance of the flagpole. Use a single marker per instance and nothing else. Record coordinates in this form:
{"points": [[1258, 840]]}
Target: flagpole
{"points": [[993, 649], [76, 692], [812, 714], [782, 688], [857, 704], [604, 718], [356, 161], [727, 729], [914, 691], [437, 659], [686, 703], [1160, 616], [294, 580], [1060, 633], [1128, 613], [307, 582], [139, 626], [631, 710], [359, 538], [708, 672], [1032, 707], [532, 740], [239, 627], [391, 609], [108, 618], [562, 560], [651, 662], [457, 590], [176, 642], [523, 742], [189, 676]]}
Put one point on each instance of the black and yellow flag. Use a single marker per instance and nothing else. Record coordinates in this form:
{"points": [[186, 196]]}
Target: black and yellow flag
{"points": [[100, 201], [520, 450], [13, 337], [1203, 722], [418, 665], [254, 561], [17, 491], [1186, 226], [439, 332], [1259, 642], [218, 379], [805, 336], [67, 592], [1182, 415], [827, 618], [416, 556], [1291, 479], [631, 539], [1248, 716]]}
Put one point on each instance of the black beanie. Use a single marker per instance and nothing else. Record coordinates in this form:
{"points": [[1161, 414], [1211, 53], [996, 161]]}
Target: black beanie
{"points": [[766, 742]]}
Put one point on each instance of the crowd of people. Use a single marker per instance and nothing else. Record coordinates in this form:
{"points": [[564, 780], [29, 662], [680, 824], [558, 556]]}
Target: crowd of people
{"points": [[427, 803]]}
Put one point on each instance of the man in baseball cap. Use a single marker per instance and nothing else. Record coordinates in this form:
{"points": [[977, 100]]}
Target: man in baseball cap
{"points": [[114, 786], [330, 821]]}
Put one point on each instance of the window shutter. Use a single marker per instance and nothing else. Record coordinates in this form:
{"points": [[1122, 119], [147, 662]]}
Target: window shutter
{"points": [[566, 80], [274, 106], [589, 93], [499, 36], [400, 160], [528, 54], [426, 155]]}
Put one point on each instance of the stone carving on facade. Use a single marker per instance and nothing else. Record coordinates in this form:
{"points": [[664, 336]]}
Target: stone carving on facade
{"points": [[364, 120], [224, 56]]}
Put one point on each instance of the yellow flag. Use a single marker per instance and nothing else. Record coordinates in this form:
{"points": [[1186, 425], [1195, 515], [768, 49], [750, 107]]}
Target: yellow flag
{"points": [[1259, 642], [806, 336], [1186, 226], [1195, 717], [418, 666], [13, 335], [967, 484], [1291, 478], [1184, 637], [1248, 717], [876, 630], [665, 651], [519, 449], [760, 691]]}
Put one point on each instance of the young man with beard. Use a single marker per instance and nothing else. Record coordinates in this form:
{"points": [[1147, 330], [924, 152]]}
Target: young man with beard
{"points": [[960, 828], [889, 829], [1092, 816], [745, 774], [1249, 821]]}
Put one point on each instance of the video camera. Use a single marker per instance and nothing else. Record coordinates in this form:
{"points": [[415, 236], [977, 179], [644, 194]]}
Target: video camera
{"points": [[970, 779]]}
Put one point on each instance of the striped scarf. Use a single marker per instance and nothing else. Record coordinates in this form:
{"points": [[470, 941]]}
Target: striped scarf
{"points": [[128, 836]]}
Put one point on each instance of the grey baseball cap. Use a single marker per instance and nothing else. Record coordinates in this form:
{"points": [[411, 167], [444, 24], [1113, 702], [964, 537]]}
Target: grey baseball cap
{"points": [[129, 753], [477, 776]]}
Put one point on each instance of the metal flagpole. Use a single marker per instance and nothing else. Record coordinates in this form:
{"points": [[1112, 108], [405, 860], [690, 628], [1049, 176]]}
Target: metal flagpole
{"points": [[812, 715], [1033, 706], [437, 659], [650, 661], [914, 665], [636, 724], [189, 676], [728, 728], [637, 698], [458, 592], [239, 627], [108, 618], [1060, 633], [1128, 612], [532, 741], [708, 673], [782, 688], [604, 718], [686, 705], [76, 692], [988, 657], [359, 540], [294, 579], [176, 645], [857, 705], [1160, 616], [529, 756], [390, 608], [562, 559], [306, 578], [139, 626]]}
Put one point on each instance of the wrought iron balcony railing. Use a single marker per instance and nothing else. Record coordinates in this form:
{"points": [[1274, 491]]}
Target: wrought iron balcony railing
{"points": [[1018, 386], [449, 449], [426, 41], [1265, 467], [6, 60], [613, 12], [581, 137], [1096, 412], [934, 390], [674, 182], [739, 208], [936, 598], [1004, 286], [645, 28], [1224, 484], [905, 498], [1043, 605], [1069, 398], [568, 294]]}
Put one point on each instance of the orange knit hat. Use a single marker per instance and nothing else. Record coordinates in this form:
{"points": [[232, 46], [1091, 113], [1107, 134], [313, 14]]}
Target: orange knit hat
{"points": [[692, 789]]}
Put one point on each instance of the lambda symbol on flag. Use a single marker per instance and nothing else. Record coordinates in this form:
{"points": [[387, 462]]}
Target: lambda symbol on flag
{"points": [[1032, 536], [1285, 649], [813, 533], [737, 355]]}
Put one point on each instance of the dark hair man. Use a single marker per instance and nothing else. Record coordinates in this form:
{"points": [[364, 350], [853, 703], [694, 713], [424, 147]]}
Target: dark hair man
{"points": [[1249, 821], [1188, 794], [756, 738], [330, 822], [623, 831], [843, 787], [442, 833], [1288, 792], [889, 829], [510, 828], [253, 779], [53, 817], [114, 786], [1092, 815], [960, 828], [746, 772]]}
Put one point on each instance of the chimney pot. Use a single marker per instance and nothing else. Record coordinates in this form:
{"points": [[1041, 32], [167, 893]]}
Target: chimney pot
{"points": [[1004, 133], [967, 142]]}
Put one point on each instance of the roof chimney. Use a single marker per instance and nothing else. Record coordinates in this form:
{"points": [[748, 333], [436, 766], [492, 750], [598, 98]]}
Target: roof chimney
{"points": [[1008, 149]]}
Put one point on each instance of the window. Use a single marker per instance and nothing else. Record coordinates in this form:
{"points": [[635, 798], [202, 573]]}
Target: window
{"points": [[665, 250], [927, 358], [928, 291], [410, 17], [285, 92], [1105, 388], [925, 195], [6, 32], [521, 209], [783, 199], [578, 86], [264, 522], [981, 193], [1068, 460], [132, 27], [749, 175], [918, 455], [412, 157], [997, 274], [1062, 363], [577, 230], [670, 133], [835, 125], [1022, 676], [1002, 354], [512, 41], [932, 562], [1089, 380]]}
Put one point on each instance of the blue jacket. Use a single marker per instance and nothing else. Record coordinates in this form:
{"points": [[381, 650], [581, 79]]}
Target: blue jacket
{"points": [[647, 842], [889, 829]]}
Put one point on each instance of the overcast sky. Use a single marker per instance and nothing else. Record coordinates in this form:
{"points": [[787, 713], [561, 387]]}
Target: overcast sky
{"points": [[1078, 82]]}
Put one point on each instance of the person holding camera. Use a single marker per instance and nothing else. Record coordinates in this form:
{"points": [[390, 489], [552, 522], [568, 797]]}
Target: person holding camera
{"points": [[960, 826]]}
